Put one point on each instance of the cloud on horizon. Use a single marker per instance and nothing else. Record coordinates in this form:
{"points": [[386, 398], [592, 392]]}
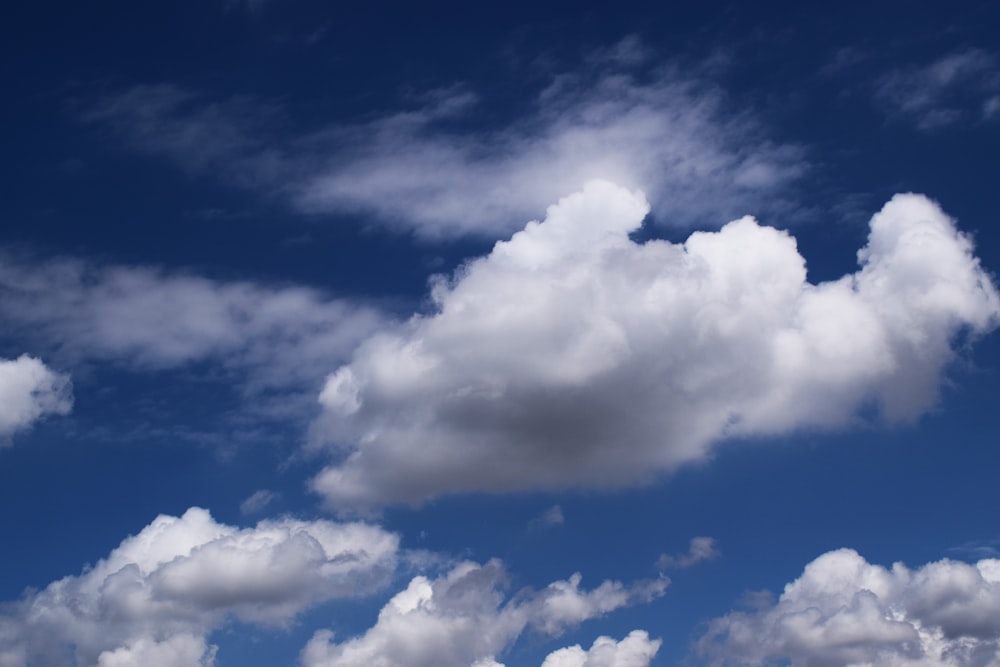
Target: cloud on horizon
{"points": [[846, 611], [572, 356]]}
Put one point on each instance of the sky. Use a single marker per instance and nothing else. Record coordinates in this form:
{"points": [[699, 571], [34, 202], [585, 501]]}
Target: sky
{"points": [[454, 335]]}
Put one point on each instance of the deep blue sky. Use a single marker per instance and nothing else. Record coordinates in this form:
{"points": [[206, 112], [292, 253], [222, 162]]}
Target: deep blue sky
{"points": [[161, 158]]}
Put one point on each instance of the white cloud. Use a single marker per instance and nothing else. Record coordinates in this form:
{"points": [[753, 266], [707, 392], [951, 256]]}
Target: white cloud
{"points": [[177, 651], [258, 500], [572, 356], [670, 135], [155, 597], [29, 390], [274, 339], [846, 611], [461, 618], [700, 549], [958, 86], [636, 650], [667, 130]]}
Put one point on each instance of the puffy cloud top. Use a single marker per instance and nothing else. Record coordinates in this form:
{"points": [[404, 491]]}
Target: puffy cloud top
{"points": [[572, 355], [154, 599], [846, 611], [461, 619]]}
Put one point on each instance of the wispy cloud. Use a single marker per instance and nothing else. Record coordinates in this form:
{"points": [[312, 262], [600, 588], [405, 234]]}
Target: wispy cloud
{"points": [[666, 130], [700, 549], [961, 86], [274, 342]]}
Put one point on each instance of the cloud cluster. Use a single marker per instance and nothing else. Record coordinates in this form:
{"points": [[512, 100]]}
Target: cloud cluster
{"points": [[461, 618], [157, 596], [29, 390], [573, 356], [960, 85], [272, 338], [667, 130], [846, 611]]}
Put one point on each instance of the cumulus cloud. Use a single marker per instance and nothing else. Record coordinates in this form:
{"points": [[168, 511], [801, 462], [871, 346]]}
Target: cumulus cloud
{"points": [[963, 85], [461, 618], [668, 130], [273, 338], [846, 611], [29, 390], [636, 650], [157, 596], [700, 549], [573, 356]]}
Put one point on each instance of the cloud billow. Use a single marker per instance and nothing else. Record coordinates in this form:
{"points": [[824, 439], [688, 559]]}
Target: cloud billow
{"points": [[572, 356], [30, 390], [846, 611]]}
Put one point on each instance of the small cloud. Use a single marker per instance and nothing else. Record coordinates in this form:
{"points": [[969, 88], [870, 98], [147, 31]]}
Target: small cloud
{"points": [[978, 549], [701, 548], [258, 501], [553, 516]]}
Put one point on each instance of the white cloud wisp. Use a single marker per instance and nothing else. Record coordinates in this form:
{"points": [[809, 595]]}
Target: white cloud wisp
{"points": [[846, 611], [572, 356]]}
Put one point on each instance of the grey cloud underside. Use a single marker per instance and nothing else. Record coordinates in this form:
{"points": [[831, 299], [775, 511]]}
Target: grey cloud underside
{"points": [[572, 356], [670, 132], [845, 611]]}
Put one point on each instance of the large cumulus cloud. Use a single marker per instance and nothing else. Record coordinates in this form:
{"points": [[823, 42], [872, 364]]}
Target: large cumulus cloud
{"points": [[846, 611], [461, 618], [573, 356], [157, 596]]}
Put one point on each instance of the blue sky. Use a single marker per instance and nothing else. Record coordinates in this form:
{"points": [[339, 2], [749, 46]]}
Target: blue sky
{"points": [[509, 335]]}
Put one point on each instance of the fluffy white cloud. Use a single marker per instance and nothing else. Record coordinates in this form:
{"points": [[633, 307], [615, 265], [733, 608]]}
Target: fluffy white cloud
{"points": [[960, 85], [155, 597], [29, 390], [846, 611], [573, 356], [461, 619], [178, 651], [664, 129], [636, 650]]}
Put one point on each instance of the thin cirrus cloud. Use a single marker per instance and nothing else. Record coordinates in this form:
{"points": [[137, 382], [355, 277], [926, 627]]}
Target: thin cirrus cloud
{"points": [[962, 85], [846, 611], [668, 130], [573, 356], [461, 619], [274, 339], [29, 391], [160, 593]]}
